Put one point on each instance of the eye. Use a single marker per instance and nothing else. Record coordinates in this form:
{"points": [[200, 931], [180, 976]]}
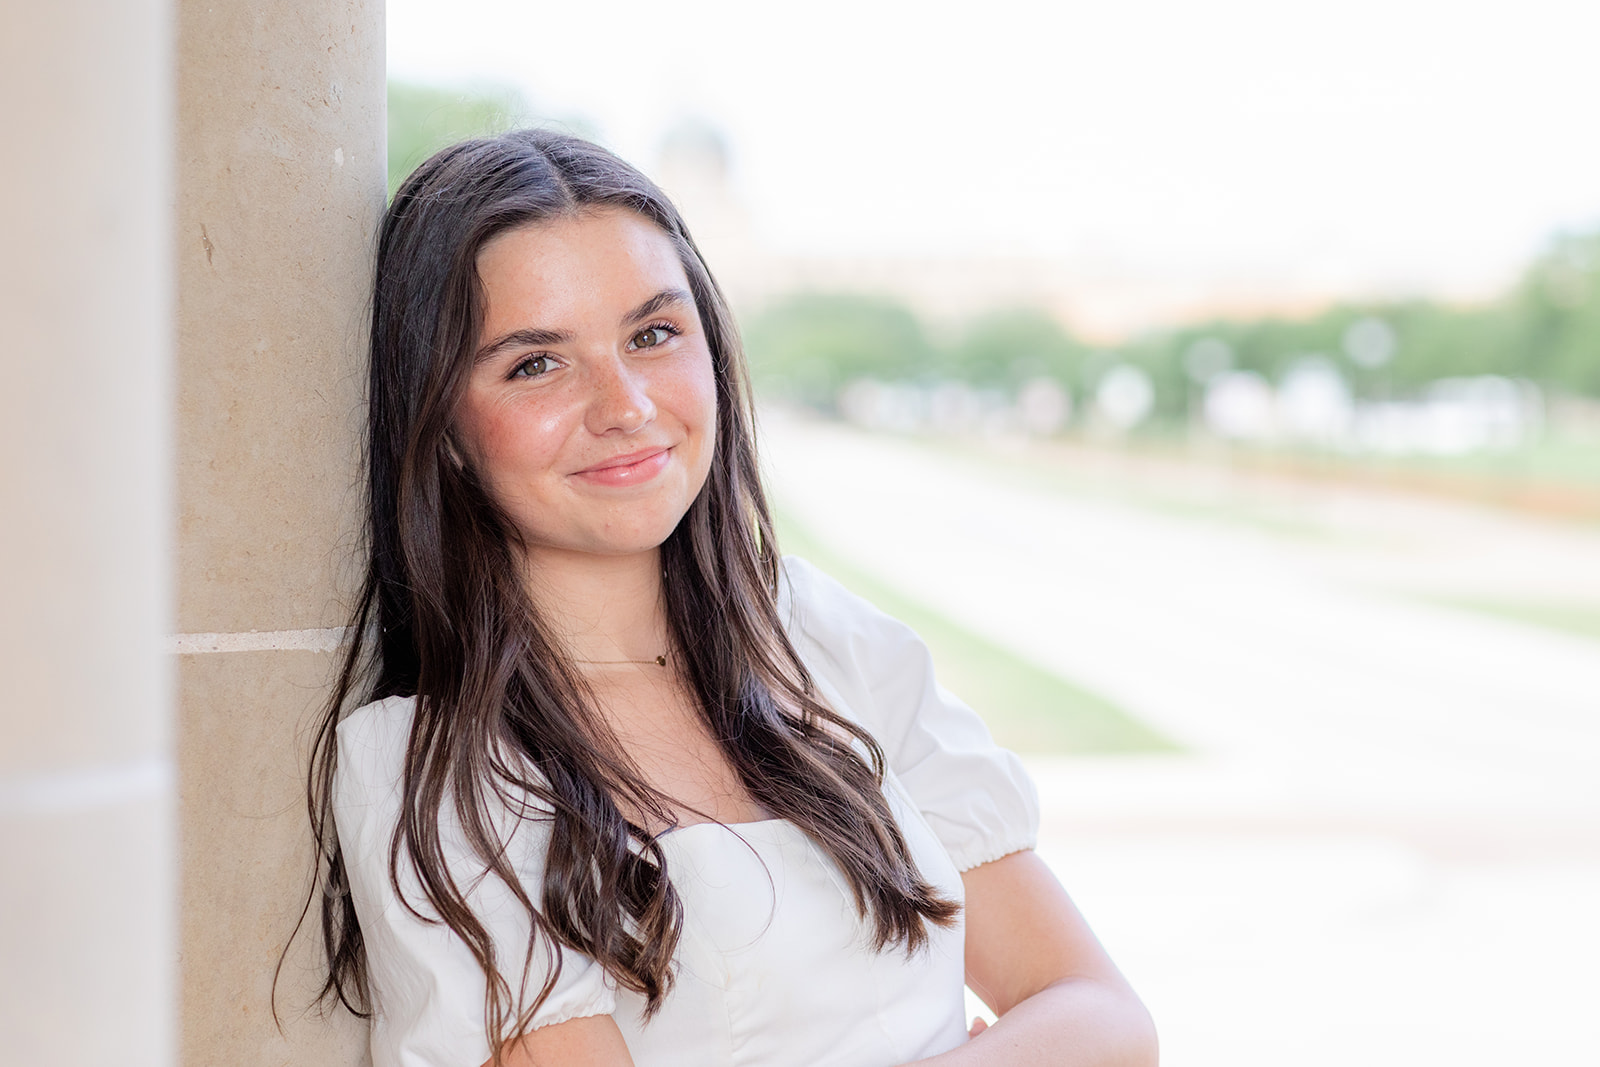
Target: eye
{"points": [[651, 336], [533, 367]]}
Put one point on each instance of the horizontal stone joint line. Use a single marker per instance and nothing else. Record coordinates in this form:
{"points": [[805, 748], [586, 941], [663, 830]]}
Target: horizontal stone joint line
{"points": [[326, 640], [83, 788]]}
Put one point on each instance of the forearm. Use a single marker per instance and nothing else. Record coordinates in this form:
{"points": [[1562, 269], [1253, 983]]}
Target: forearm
{"points": [[1034, 960], [1077, 1022]]}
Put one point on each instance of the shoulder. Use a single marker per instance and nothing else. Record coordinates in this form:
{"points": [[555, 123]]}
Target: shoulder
{"points": [[869, 665], [369, 777], [829, 623], [803, 590], [378, 725], [975, 795], [372, 744], [369, 773]]}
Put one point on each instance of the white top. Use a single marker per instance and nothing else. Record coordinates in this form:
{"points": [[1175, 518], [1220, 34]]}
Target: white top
{"points": [[774, 966]]}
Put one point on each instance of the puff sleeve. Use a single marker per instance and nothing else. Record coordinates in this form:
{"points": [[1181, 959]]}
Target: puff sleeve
{"points": [[428, 990], [975, 795]]}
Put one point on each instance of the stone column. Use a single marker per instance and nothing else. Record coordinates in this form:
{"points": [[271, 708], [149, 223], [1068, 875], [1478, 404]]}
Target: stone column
{"points": [[86, 843], [280, 178]]}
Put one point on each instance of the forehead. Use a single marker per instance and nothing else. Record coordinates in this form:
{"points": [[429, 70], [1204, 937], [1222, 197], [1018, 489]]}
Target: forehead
{"points": [[566, 267]]}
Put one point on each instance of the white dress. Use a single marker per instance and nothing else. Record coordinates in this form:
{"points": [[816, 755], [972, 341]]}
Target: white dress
{"points": [[774, 967]]}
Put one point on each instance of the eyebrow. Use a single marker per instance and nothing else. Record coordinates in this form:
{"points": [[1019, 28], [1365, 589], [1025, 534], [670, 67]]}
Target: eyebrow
{"points": [[527, 338], [664, 299], [536, 338]]}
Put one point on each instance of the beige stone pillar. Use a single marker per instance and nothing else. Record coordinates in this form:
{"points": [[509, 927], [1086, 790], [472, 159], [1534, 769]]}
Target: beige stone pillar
{"points": [[280, 177], [86, 842]]}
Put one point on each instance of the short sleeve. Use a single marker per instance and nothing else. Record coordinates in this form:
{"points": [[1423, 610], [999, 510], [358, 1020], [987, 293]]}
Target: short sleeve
{"points": [[427, 988], [976, 796]]}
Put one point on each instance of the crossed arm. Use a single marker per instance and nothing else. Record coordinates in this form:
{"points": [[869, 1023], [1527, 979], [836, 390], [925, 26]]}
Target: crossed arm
{"points": [[1029, 955]]}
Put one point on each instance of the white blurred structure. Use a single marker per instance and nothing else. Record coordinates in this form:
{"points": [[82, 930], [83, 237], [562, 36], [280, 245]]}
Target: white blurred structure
{"points": [[1044, 406], [876, 405], [1313, 402], [1041, 408], [1370, 342], [1124, 397], [1239, 405], [1453, 417], [1313, 405], [954, 408]]}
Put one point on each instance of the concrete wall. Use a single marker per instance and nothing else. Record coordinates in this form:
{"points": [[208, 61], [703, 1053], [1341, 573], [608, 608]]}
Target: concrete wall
{"points": [[86, 843], [280, 179]]}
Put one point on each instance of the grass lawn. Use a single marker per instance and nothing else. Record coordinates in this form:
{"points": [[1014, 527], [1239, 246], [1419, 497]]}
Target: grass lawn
{"points": [[1027, 708], [1580, 619]]}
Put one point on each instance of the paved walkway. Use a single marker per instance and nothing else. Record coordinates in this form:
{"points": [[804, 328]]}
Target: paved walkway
{"points": [[1386, 846]]}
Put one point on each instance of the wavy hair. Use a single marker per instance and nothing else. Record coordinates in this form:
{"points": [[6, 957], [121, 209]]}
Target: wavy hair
{"points": [[502, 721]]}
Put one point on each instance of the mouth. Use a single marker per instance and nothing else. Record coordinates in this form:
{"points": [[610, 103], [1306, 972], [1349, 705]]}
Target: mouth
{"points": [[631, 468]]}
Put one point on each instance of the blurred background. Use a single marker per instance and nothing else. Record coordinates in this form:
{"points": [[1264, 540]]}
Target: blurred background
{"points": [[1216, 387]]}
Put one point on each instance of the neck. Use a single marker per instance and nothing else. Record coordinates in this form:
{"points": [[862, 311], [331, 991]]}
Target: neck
{"points": [[602, 608]]}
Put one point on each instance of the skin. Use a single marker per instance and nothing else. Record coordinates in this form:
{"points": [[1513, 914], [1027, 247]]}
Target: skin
{"points": [[591, 414]]}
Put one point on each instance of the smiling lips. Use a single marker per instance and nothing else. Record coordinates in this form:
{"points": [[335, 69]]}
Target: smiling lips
{"points": [[634, 468]]}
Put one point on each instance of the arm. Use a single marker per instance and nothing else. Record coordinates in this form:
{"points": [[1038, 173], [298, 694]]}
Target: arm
{"points": [[587, 1041], [1031, 957]]}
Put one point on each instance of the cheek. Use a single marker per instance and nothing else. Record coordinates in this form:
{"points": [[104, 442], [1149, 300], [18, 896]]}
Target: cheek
{"points": [[706, 407], [698, 397], [510, 447]]}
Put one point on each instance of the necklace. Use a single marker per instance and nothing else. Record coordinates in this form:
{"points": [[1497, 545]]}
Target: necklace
{"points": [[659, 661]]}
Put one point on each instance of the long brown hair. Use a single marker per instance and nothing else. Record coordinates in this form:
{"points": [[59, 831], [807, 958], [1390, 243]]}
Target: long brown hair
{"points": [[501, 719]]}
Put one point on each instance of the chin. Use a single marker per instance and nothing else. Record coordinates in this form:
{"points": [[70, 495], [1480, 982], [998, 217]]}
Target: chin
{"points": [[631, 543], [624, 532]]}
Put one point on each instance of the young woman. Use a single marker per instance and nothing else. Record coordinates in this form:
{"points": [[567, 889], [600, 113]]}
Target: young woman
{"points": [[626, 787]]}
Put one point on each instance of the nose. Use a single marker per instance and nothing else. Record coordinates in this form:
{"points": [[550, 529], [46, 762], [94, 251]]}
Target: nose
{"points": [[620, 400]]}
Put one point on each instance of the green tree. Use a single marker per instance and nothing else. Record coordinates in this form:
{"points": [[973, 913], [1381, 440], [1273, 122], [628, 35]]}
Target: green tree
{"points": [[1007, 348], [1556, 314], [1436, 341], [1160, 355], [807, 347], [426, 118]]}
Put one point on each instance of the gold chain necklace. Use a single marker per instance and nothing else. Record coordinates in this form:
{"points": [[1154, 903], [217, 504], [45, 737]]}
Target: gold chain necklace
{"points": [[659, 661]]}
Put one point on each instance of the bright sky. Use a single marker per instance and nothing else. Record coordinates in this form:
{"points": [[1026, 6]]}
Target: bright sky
{"points": [[1422, 144]]}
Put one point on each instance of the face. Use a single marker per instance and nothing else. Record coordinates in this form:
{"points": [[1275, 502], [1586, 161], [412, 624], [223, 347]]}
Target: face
{"points": [[591, 408]]}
